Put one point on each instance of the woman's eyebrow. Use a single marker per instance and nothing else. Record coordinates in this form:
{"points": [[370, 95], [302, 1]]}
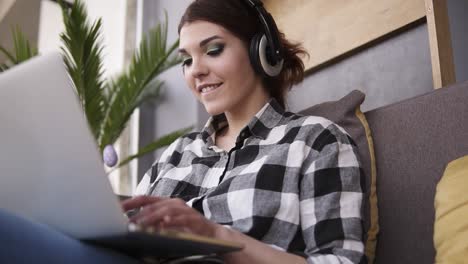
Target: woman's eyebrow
{"points": [[202, 43], [205, 41]]}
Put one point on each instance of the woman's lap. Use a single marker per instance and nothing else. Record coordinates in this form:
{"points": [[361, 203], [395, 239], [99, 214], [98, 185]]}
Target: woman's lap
{"points": [[24, 241]]}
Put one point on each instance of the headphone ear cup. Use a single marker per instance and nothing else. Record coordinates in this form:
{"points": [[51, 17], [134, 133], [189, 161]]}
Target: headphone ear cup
{"points": [[270, 69], [259, 57], [254, 54]]}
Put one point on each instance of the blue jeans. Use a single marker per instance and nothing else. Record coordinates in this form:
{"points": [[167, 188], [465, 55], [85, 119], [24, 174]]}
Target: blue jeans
{"points": [[24, 241]]}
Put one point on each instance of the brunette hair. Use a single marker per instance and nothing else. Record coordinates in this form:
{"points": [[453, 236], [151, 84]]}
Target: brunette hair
{"points": [[238, 18]]}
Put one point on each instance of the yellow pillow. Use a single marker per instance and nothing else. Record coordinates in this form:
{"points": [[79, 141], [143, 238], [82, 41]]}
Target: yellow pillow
{"points": [[451, 214], [371, 242]]}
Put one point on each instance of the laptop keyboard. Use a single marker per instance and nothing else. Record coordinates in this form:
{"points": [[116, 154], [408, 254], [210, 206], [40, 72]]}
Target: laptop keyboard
{"points": [[132, 227]]}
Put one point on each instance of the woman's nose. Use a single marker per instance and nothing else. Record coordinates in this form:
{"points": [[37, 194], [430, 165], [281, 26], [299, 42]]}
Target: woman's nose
{"points": [[198, 68]]}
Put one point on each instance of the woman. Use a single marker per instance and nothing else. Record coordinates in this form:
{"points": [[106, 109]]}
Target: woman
{"points": [[285, 186]]}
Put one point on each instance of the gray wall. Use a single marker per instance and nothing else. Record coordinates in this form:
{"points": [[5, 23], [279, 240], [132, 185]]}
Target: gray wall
{"points": [[458, 19], [177, 109], [390, 71]]}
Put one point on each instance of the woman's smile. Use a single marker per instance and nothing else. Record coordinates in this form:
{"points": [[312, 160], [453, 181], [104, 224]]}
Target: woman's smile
{"points": [[208, 88]]}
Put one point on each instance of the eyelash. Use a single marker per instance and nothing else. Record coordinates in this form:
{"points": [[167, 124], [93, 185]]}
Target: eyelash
{"points": [[186, 62], [212, 52]]}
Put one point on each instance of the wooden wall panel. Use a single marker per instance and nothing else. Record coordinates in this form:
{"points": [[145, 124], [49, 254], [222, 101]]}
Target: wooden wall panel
{"points": [[443, 69], [5, 6], [330, 28]]}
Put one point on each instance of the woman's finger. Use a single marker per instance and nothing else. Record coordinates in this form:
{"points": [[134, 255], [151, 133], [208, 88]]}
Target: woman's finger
{"points": [[193, 223], [140, 201], [155, 214], [149, 208]]}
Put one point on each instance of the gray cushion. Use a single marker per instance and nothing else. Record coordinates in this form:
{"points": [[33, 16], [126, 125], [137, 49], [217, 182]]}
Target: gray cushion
{"points": [[346, 113], [413, 141]]}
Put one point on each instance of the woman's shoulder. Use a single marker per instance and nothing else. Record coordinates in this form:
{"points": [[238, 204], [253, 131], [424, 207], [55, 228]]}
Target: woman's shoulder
{"points": [[191, 136], [314, 125], [311, 121], [182, 142], [187, 139]]}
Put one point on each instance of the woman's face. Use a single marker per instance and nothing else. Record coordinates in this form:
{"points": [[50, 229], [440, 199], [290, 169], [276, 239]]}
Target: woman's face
{"points": [[217, 69]]}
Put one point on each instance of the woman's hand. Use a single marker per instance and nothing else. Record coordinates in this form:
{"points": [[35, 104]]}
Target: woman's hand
{"points": [[170, 213], [175, 214]]}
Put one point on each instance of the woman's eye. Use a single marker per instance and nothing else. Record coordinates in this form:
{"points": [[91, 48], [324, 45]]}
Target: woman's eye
{"points": [[186, 62], [215, 50]]}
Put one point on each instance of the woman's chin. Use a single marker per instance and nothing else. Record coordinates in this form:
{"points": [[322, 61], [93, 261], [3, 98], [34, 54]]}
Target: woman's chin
{"points": [[213, 109]]}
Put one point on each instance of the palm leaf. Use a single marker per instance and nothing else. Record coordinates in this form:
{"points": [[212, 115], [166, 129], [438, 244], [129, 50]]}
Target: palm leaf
{"points": [[3, 67], [138, 84], [165, 140], [23, 50], [82, 55], [8, 55]]}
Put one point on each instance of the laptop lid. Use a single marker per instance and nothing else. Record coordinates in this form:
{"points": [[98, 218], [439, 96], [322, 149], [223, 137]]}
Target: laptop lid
{"points": [[50, 167], [51, 171]]}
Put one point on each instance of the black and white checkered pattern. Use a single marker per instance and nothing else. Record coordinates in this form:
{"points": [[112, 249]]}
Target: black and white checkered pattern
{"points": [[291, 181]]}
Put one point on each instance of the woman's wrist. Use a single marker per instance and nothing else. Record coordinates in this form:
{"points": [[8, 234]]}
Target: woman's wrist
{"points": [[223, 232], [254, 251]]}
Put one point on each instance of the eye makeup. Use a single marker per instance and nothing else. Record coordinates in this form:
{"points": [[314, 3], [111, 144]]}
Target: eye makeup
{"points": [[212, 50], [215, 49], [186, 60]]}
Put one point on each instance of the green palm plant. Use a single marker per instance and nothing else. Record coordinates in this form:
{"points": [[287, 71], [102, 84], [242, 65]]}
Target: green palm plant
{"points": [[109, 104], [23, 50]]}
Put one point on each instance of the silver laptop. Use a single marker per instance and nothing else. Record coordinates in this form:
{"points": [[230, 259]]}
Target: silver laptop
{"points": [[51, 170]]}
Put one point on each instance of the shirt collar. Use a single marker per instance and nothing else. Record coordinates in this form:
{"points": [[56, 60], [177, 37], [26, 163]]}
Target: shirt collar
{"points": [[260, 125]]}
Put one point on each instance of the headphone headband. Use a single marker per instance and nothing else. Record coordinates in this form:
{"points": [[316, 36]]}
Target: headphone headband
{"points": [[270, 30]]}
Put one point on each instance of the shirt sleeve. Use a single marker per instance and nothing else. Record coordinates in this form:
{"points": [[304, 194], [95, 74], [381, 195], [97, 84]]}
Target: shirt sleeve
{"points": [[151, 176], [331, 198]]}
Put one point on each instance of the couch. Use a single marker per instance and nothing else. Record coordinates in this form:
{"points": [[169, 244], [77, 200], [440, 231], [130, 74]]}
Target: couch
{"points": [[413, 141]]}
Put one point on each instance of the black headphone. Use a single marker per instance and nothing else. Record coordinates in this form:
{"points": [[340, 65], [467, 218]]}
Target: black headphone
{"points": [[266, 54]]}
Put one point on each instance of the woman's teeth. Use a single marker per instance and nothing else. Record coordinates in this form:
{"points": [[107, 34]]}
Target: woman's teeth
{"points": [[209, 88]]}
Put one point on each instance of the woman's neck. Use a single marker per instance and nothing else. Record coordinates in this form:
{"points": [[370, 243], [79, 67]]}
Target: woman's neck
{"points": [[238, 118]]}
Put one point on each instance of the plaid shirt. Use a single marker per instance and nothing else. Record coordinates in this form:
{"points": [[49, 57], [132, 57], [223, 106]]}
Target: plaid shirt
{"points": [[291, 181]]}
